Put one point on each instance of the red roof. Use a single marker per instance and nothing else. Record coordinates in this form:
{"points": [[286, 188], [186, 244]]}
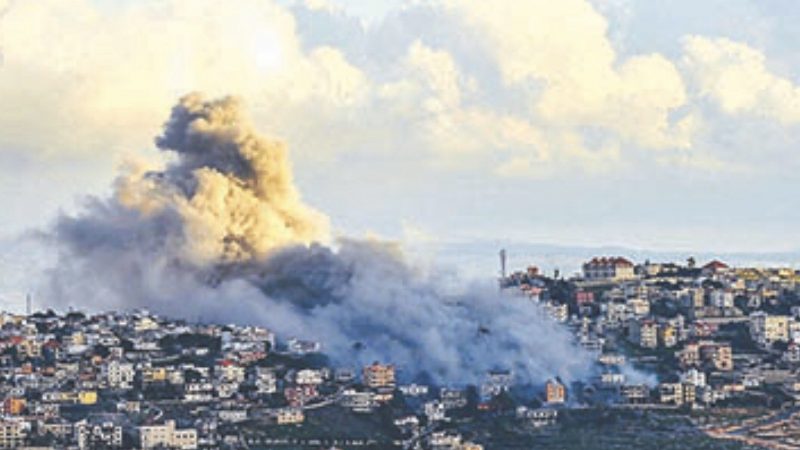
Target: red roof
{"points": [[716, 265], [613, 260]]}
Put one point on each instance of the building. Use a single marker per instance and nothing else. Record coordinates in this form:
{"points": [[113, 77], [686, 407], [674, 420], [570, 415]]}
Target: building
{"points": [[119, 375], [13, 432], [668, 335], [360, 402], [639, 307], [644, 333], [435, 411], [766, 328], [635, 393], [608, 269], [670, 393], [101, 431], [299, 395], [453, 398], [265, 380], [309, 376], [167, 435], [584, 297], [714, 267], [289, 416], [694, 377], [555, 392], [721, 298], [379, 376], [497, 381], [719, 356]]}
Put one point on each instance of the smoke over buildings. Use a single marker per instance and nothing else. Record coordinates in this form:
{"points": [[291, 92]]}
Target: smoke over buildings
{"points": [[220, 232]]}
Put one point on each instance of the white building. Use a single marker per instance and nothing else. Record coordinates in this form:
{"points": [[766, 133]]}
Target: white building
{"points": [[644, 333], [167, 435], [119, 375], [362, 402], [766, 329], [308, 376], [13, 432], [435, 411], [721, 298], [694, 377], [265, 380], [289, 416]]}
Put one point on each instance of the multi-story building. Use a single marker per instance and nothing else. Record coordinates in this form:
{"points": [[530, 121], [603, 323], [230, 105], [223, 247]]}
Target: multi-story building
{"points": [[167, 436], [358, 401], [671, 393], [668, 335], [610, 269], [289, 416], [767, 328], [102, 431], [13, 432], [555, 392], [644, 333], [635, 393], [379, 376], [119, 375], [266, 381]]}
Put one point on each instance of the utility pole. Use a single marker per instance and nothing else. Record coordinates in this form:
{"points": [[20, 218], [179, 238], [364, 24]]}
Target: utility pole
{"points": [[503, 263]]}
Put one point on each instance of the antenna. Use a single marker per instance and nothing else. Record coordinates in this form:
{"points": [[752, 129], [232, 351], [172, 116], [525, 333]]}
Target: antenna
{"points": [[503, 263]]}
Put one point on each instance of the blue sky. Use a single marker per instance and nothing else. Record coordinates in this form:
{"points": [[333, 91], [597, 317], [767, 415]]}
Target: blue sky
{"points": [[667, 125]]}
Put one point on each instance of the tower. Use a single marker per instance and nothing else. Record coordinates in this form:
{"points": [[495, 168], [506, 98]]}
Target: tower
{"points": [[503, 263], [28, 304]]}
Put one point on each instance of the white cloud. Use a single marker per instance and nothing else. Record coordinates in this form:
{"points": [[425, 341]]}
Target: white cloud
{"points": [[564, 46], [564, 98], [735, 75], [106, 79]]}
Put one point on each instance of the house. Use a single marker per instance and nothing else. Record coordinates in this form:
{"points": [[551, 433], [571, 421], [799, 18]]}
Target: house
{"points": [[584, 297], [538, 417], [13, 432], [298, 395], [379, 376], [289, 416], [434, 411], [360, 402], [767, 328], [100, 431], [668, 335], [119, 375], [608, 269], [644, 333], [555, 392], [714, 267], [265, 380], [635, 393], [309, 376], [167, 435], [671, 393]]}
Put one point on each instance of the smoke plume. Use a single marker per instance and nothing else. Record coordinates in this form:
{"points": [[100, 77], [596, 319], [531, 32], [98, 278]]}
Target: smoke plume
{"points": [[220, 233]]}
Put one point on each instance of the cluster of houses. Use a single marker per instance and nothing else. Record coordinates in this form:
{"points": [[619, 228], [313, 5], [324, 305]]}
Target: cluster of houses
{"points": [[137, 380], [708, 335], [664, 335]]}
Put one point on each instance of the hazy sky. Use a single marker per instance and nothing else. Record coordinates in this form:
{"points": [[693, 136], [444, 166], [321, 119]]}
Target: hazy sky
{"points": [[650, 124]]}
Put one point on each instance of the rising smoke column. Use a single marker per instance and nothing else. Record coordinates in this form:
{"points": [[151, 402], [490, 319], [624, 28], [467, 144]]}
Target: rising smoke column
{"points": [[220, 233]]}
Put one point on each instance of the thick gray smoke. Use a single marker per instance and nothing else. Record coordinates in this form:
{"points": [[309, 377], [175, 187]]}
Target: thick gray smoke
{"points": [[221, 234]]}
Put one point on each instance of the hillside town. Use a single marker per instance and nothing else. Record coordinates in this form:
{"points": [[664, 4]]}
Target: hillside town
{"points": [[702, 343]]}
